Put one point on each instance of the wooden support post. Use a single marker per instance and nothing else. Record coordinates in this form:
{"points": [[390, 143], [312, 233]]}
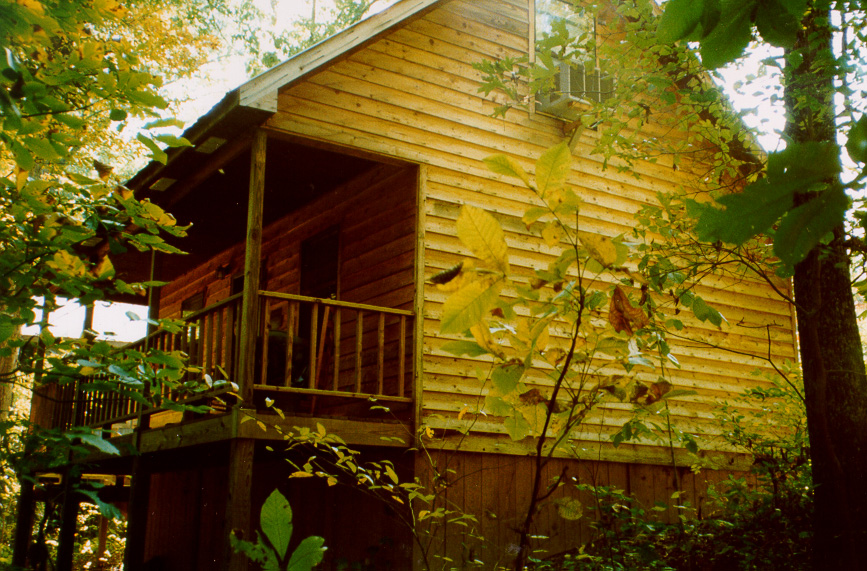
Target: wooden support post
{"points": [[238, 501], [252, 269], [23, 522], [68, 522], [136, 531]]}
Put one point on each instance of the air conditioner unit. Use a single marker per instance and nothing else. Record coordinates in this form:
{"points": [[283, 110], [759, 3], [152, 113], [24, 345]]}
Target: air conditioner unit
{"points": [[575, 85]]}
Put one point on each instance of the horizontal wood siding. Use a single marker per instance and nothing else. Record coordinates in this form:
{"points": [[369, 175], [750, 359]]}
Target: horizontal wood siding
{"points": [[413, 95]]}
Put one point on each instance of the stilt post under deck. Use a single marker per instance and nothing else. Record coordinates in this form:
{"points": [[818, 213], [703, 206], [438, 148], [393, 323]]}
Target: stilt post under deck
{"points": [[68, 521], [238, 498]]}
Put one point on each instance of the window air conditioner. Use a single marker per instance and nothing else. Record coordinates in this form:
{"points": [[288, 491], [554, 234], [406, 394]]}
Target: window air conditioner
{"points": [[575, 84]]}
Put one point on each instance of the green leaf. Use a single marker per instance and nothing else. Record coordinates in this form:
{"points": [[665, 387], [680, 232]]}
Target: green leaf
{"points": [[276, 521], [42, 148], [506, 377], [517, 426], [777, 25], [118, 115], [467, 306], [552, 168], [173, 141], [802, 228], [679, 19], [167, 122], [308, 554], [730, 37], [482, 234], [156, 152], [501, 164], [856, 146], [747, 213], [97, 441], [704, 312], [469, 348]]}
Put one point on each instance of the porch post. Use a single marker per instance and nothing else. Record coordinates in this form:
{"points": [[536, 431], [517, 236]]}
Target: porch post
{"points": [[252, 263], [238, 498]]}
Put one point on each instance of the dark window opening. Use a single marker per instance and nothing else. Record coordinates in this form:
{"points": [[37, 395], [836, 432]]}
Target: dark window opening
{"points": [[192, 304]]}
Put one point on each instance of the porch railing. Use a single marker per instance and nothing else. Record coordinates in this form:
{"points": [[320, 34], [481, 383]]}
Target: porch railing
{"points": [[304, 345], [338, 348], [208, 338]]}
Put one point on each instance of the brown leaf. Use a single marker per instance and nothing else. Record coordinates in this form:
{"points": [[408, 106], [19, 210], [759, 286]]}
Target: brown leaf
{"points": [[448, 275], [623, 316], [533, 396]]}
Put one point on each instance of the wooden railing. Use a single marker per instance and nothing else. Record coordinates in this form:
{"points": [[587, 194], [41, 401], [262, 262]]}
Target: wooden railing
{"points": [[304, 345], [209, 338], [338, 348]]}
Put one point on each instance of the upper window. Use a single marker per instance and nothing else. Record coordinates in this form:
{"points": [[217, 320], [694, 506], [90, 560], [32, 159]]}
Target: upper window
{"points": [[566, 39]]}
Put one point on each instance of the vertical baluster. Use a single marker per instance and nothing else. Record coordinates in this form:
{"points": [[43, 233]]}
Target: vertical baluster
{"points": [[335, 384], [231, 341], [211, 323], [401, 357], [220, 337], [314, 329], [359, 334], [265, 332], [380, 354], [291, 332]]}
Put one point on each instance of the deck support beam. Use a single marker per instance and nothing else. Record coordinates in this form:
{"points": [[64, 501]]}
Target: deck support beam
{"points": [[68, 522], [252, 266], [238, 501], [24, 522]]}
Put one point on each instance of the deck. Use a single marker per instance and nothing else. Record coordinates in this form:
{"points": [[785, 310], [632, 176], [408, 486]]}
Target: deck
{"points": [[346, 366]]}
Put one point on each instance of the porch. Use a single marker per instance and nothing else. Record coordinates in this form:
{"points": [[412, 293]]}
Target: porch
{"points": [[307, 311]]}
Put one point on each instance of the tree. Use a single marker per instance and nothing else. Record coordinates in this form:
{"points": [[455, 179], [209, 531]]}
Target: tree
{"points": [[802, 203], [796, 197]]}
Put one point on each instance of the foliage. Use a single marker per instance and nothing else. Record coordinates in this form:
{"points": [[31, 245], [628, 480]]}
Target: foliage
{"points": [[272, 545], [741, 525], [266, 46], [417, 505]]}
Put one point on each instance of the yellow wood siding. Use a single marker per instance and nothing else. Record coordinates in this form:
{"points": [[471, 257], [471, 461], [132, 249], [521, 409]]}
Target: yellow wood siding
{"points": [[413, 95]]}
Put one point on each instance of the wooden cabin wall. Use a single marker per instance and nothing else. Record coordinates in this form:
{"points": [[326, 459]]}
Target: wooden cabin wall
{"points": [[376, 213], [414, 95], [495, 488]]}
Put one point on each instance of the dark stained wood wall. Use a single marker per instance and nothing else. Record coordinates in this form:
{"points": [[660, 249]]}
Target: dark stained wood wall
{"points": [[376, 214], [495, 488]]}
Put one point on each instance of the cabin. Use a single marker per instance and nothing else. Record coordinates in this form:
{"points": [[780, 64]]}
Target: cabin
{"points": [[323, 194]]}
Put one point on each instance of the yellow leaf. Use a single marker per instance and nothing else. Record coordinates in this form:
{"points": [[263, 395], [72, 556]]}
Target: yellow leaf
{"points": [[463, 412], [105, 269], [88, 371], [300, 474], [467, 306], [501, 164], [552, 234], [482, 234], [423, 514], [332, 481], [21, 177], [569, 508], [600, 248], [483, 337], [552, 168]]}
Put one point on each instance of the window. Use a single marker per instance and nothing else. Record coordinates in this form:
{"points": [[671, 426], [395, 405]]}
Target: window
{"points": [[192, 304], [566, 39]]}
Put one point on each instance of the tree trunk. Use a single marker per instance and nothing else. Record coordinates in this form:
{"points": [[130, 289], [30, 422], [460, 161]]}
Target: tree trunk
{"points": [[8, 375], [833, 363]]}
